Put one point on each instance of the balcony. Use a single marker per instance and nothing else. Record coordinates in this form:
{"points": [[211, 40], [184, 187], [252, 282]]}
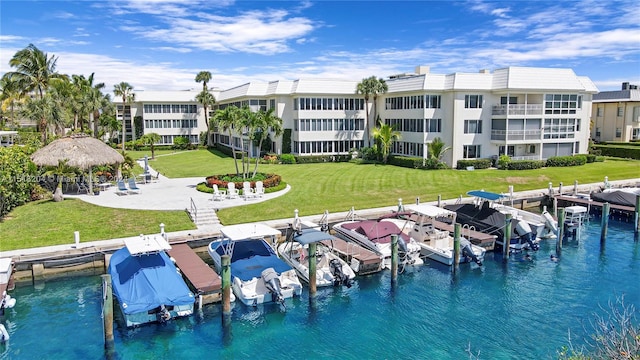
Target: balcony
{"points": [[514, 135], [517, 109]]}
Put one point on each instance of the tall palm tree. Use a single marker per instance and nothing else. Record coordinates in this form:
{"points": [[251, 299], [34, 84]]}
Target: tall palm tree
{"points": [[380, 87], [204, 77], [206, 99], [10, 96], [266, 120], [385, 135], [366, 88], [126, 92], [228, 119], [34, 69]]}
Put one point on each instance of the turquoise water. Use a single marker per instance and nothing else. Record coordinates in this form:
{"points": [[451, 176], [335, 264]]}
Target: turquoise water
{"points": [[518, 310]]}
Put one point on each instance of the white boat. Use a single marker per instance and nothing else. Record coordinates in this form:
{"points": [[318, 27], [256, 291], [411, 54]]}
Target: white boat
{"points": [[6, 283], [257, 274], [331, 270], [375, 235], [147, 284], [438, 245]]}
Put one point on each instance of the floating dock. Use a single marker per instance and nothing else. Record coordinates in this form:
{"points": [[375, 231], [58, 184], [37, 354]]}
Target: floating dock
{"points": [[206, 283]]}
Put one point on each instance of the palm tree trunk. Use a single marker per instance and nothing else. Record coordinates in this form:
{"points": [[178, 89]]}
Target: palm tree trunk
{"points": [[233, 151]]}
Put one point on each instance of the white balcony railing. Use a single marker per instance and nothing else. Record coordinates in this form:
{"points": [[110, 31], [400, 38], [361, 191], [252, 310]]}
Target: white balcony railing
{"points": [[517, 109], [516, 134]]}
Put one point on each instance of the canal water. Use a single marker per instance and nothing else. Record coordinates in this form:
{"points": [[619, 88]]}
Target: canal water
{"points": [[518, 310]]}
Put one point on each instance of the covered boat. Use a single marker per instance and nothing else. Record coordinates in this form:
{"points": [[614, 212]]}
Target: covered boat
{"points": [[617, 197], [257, 274], [147, 284]]}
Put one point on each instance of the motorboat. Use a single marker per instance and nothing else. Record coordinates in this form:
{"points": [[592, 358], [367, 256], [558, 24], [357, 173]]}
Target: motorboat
{"points": [[418, 221], [147, 284], [487, 215], [258, 275], [330, 269], [375, 235], [7, 267]]}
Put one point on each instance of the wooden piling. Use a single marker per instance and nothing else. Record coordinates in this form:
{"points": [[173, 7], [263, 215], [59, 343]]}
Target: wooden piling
{"points": [[507, 237], [560, 188], [312, 269], [560, 234], [575, 187], [555, 206], [456, 246], [439, 200], [604, 224], [225, 260], [394, 258], [637, 217], [107, 312]]}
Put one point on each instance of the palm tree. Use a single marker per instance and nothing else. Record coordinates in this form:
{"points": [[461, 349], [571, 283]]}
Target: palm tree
{"points": [[228, 119], [126, 91], [371, 87], [60, 172], [385, 135], [206, 99], [34, 70], [151, 139], [43, 110], [437, 148], [204, 77], [266, 120], [11, 96]]}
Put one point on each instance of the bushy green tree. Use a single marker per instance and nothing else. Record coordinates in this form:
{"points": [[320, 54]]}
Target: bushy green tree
{"points": [[17, 178]]}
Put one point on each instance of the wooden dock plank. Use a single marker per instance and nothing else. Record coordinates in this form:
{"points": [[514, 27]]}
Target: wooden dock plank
{"points": [[201, 276], [481, 239], [584, 201]]}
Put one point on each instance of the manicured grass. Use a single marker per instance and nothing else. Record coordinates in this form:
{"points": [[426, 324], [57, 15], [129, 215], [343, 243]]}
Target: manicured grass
{"points": [[339, 186], [46, 222]]}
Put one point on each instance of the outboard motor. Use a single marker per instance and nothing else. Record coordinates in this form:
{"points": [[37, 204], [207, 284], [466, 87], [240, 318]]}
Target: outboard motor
{"points": [[272, 282], [523, 230], [339, 277], [402, 245], [467, 251], [6, 302], [163, 314]]}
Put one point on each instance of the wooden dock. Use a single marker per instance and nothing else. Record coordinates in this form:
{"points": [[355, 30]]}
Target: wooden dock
{"points": [[201, 277], [369, 261], [579, 200], [486, 241]]}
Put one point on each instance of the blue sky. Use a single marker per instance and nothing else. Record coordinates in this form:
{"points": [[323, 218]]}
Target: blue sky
{"points": [[163, 44]]}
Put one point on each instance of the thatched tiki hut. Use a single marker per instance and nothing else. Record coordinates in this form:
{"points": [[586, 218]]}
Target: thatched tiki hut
{"points": [[79, 151]]}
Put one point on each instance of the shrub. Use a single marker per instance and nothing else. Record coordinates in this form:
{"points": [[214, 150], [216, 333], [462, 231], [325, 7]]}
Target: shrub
{"points": [[503, 162], [525, 165], [268, 180], [181, 142], [476, 163], [287, 159], [404, 161], [625, 152], [558, 161]]}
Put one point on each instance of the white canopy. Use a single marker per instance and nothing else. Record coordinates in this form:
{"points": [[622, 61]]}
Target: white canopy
{"points": [[248, 231], [429, 210], [146, 244]]}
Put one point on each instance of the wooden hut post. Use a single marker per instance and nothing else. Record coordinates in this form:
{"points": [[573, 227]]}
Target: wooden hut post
{"points": [[456, 246], [226, 284], [312, 269], [107, 312], [507, 237], [394, 258], [560, 234], [604, 224]]}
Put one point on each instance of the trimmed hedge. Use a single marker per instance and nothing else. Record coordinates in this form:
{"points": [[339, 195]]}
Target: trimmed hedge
{"points": [[476, 163], [405, 161], [524, 165], [626, 152], [322, 159], [561, 161]]}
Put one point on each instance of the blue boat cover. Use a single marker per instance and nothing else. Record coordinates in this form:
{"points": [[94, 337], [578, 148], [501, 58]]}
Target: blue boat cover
{"points": [[485, 195], [250, 257], [142, 283], [309, 236]]}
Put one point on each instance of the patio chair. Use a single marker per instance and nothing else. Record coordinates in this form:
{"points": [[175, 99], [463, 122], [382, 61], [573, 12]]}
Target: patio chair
{"points": [[122, 189], [218, 195], [83, 187], [247, 192], [133, 188], [259, 190], [232, 192]]}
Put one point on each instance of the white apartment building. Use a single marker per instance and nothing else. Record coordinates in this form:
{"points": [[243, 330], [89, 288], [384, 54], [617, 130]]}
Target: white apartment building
{"points": [[616, 114], [527, 113]]}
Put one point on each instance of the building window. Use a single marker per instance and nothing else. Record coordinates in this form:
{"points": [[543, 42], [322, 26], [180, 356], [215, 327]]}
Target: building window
{"points": [[512, 100], [620, 111], [597, 132], [471, 151], [562, 103], [599, 112], [434, 125], [473, 126], [618, 132], [473, 101]]}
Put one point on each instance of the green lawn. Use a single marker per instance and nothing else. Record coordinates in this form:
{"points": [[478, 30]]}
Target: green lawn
{"points": [[46, 222], [339, 186], [335, 187]]}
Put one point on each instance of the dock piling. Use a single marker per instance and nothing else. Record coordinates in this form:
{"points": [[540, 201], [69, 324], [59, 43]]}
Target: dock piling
{"points": [[560, 188], [439, 200], [394, 258], [575, 187], [560, 234], [511, 194], [312, 270], [456, 247], [637, 218], [226, 284], [604, 224], [506, 238], [107, 313]]}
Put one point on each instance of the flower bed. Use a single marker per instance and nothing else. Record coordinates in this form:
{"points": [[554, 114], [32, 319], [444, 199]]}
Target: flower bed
{"points": [[268, 180]]}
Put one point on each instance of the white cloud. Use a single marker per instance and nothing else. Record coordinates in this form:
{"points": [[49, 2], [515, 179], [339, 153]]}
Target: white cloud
{"points": [[10, 39]]}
